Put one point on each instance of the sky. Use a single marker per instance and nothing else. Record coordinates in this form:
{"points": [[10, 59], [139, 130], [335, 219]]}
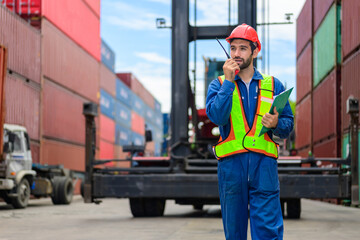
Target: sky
{"points": [[129, 28]]}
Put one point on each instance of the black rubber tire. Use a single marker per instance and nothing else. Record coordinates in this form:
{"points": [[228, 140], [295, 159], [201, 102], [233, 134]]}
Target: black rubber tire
{"points": [[198, 206], [293, 208], [147, 207], [63, 190], [23, 190]]}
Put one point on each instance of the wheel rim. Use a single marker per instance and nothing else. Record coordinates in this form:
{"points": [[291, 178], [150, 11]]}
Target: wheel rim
{"points": [[24, 192]]}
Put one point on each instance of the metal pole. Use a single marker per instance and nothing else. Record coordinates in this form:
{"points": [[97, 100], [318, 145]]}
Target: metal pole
{"points": [[353, 109]]}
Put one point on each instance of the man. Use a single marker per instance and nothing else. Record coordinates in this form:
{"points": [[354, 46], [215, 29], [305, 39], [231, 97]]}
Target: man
{"points": [[247, 169]]}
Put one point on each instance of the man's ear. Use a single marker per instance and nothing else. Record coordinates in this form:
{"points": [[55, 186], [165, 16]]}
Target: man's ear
{"points": [[256, 52]]}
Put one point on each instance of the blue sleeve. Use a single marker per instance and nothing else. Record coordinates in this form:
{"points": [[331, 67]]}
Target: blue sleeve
{"points": [[219, 101], [286, 119]]}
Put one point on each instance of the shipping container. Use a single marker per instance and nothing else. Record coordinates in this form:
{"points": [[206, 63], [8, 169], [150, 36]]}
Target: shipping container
{"points": [[29, 10], [107, 56], [125, 78], [107, 80], [94, 6], [122, 114], [149, 149], [137, 105], [304, 73], [304, 153], [157, 106], [106, 150], [77, 21], [75, 69], [325, 48], [157, 152], [149, 114], [325, 108], [22, 104], [303, 123], [123, 93], [137, 123], [69, 155], [123, 135], [304, 27], [138, 88], [327, 148], [350, 85], [23, 44], [166, 123], [321, 7], [346, 145], [35, 151], [119, 154], [137, 139], [62, 116], [158, 121], [107, 129], [107, 104], [350, 31]]}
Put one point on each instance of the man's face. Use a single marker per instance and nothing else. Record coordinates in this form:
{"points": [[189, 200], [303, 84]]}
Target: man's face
{"points": [[240, 51]]}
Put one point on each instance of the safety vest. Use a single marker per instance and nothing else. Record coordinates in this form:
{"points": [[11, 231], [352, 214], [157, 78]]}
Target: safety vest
{"points": [[242, 138]]}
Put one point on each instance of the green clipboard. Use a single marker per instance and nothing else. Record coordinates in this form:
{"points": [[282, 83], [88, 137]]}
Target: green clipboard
{"points": [[279, 102]]}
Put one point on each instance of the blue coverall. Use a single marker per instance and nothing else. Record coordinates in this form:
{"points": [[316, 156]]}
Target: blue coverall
{"points": [[248, 178]]}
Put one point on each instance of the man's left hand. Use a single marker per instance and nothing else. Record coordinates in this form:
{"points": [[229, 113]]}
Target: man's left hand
{"points": [[270, 120]]}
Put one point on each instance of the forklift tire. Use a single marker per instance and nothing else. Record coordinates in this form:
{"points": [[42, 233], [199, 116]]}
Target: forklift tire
{"points": [[63, 190], [23, 194], [147, 207], [293, 207]]}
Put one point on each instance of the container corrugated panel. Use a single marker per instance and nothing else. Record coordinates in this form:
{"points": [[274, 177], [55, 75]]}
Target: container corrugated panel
{"points": [[166, 123], [107, 129], [304, 27], [150, 148], [157, 152], [107, 80], [123, 93], [137, 123], [106, 150], [123, 135], [304, 73], [75, 69], [70, 155], [326, 148], [122, 114], [346, 145], [324, 104], [23, 44], [157, 105], [137, 105], [142, 92], [350, 26], [125, 78], [22, 105], [350, 84], [158, 121], [77, 21], [119, 154], [324, 48], [62, 114], [137, 139], [303, 123], [321, 7], [304, 152], [149, 114], [94, 5], [107, 104], [107, 56], [35, 151]]}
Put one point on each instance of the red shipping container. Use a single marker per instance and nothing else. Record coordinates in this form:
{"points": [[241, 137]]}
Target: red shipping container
{"points": [[350, 31], [150, 149], [303, 123], [22, 104], [327, 148], [35, 151], [107, 80], [62, 114], [94, 5], [304, 73], [137, 123], [107, 129], [350, 85], [304, 153], [75, 69], [304, 27], [77, 21], [23, 44], [325, 105], [321, 7], [119, 154], [106, 150], [125, 78], [69, 155]]}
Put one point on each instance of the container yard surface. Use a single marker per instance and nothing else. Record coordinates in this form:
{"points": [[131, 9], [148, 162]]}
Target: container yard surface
{"points": [[112, 220]]}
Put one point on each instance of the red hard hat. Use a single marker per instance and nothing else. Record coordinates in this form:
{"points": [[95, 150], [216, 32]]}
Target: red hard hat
{"points": [[246, 32]]}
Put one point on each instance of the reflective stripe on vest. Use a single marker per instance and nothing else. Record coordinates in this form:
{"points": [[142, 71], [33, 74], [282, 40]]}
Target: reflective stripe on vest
{"points": [[242, 138]]}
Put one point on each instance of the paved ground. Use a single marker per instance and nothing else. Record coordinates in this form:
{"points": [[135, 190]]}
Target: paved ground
{"points": [[112, 220]]}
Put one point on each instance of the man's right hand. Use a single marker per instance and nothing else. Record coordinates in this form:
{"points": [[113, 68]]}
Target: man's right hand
{"points": [[229, 69]]}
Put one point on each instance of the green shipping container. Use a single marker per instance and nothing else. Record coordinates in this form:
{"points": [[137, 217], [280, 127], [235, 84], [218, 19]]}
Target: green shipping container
{"points": [[327, 45]]}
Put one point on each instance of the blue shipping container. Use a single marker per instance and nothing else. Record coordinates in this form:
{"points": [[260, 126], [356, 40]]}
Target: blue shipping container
{"points": [[166, 123], [107, 104], [157, 106], [137, 139], [107, 56], [123, 135], [123, 93], [149, 114], [122, 114], [137, 105], [159, 120], [157, 151]]}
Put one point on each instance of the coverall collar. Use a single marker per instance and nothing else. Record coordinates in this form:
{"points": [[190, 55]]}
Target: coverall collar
{"points": [[257, 76]]}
